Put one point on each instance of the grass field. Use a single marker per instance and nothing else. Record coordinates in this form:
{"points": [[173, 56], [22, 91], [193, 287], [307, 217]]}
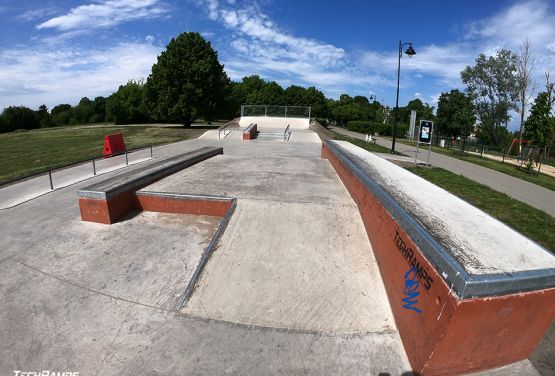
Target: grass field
{"points": [[363, 144], [27, 152], [543, 180], [533, 223]]}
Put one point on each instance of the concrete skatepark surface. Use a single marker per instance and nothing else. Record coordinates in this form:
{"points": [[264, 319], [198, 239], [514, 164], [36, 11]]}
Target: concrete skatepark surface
{"points": [[292, 289]]}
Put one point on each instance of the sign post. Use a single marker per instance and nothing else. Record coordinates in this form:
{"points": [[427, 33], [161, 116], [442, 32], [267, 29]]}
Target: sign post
{"points": [[412, 125], [425, 137]]}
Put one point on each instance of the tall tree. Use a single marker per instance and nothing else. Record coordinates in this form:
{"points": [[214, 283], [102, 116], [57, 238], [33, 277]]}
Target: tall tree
{"points": [[492, 83], [187, 81], [455, 115], [83, 111], [526, 87], [127, 105], [61, 114], [539, 128], [43, 117]]}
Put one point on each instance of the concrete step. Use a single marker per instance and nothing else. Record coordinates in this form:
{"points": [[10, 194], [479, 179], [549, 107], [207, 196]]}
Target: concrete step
{"points": [[269, 136]]}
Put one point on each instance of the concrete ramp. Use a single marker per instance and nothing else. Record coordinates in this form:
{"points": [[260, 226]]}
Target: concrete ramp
{"points": [[279, 267]]}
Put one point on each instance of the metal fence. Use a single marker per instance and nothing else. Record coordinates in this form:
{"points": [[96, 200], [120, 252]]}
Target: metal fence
{"points": [[276, 111]]}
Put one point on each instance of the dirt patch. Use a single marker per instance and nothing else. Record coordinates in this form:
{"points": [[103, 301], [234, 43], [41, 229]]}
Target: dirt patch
{"points": [[323, 132]]}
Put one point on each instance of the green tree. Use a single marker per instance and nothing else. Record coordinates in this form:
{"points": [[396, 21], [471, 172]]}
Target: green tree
{"points": [[18, 117], [493, 85], [187, 81], [98, 110], [61, 114], [455, 115], [317, 101], [539, 128], [127, 105], [271, 94], [82, 112], [42, 116]]}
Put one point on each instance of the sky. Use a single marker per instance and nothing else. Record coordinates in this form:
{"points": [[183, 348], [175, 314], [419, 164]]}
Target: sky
{"points": [[54, 52]]}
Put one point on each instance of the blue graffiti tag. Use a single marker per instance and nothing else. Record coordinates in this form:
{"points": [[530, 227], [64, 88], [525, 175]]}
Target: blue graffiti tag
{"points": [[411, 290]]}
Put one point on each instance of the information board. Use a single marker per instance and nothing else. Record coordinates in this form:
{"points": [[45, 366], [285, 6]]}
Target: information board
{"points": [[425, 133]]}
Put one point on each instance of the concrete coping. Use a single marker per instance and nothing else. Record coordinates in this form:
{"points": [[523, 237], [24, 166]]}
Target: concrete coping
{"points": [[476, 254], [136, 179]]}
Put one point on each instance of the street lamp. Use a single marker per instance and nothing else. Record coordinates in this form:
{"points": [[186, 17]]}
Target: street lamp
{"points": [[410, 52], [373, 98]]}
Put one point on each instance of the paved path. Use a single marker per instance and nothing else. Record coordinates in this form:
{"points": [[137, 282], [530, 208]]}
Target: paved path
{"points": [[531, 194]]}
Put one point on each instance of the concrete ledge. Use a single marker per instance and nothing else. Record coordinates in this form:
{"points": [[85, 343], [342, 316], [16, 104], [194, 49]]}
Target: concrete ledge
{"points": [[251, 132], [107, 201], [184, 203], [453, 314]]}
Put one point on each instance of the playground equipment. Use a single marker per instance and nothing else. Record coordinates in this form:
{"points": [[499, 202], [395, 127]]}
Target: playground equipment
{"points": [[528, 155]]}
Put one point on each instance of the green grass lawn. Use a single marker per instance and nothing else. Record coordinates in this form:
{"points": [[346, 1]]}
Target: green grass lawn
{"points": [[363, 144], [543, 180], [533, 223], [27, 152]]}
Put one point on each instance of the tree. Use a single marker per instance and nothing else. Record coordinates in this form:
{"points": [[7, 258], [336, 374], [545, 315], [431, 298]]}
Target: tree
{"points": [[61, 114], [539, 128], [525, 82], [18, 117], [187, 81], [82, 112], [455, 115], [271, 94], [98, 109], [493, 85], [317, 101], [127, 105], [42, 117]]}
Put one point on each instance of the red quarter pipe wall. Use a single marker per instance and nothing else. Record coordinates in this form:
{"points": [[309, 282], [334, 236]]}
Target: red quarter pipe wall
{"points": [[443, 334]]}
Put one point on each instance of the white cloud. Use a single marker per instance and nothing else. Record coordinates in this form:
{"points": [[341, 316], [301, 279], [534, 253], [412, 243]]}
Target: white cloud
{"points": [[104, 14], [37, 13], [36, 76], [259, 46]]}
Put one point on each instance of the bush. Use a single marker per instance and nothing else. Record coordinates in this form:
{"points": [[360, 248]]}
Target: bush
{"points": [[323, 122], [18, 117], [368, 127]]}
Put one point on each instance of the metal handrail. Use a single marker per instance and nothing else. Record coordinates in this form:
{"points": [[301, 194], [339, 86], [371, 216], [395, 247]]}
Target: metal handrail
{"points": [[286, 134], [49, 171], [226, 129]]}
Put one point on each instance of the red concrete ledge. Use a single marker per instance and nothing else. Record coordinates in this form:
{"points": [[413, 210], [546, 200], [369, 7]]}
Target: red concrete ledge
{"points": [[450, 321], [183, 203], [109, 200], [250, 133]]}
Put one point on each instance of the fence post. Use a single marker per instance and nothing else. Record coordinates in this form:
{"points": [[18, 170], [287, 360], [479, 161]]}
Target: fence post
{"points": [[126, 159], [94, 167], [50, 178], [150, 151]]}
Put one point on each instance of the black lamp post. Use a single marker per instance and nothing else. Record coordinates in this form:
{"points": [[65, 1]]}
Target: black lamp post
{"points": [[410, 52]]}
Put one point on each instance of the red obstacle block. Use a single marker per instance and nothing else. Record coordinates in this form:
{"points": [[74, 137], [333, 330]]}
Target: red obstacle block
{"points": [[113, 144]]}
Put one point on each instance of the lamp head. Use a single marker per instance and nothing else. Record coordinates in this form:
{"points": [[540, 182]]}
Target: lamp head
{"points": [[410, 51]]}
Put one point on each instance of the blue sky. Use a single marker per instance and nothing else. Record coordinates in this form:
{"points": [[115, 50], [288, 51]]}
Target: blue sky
{"points": [[59, 51]]}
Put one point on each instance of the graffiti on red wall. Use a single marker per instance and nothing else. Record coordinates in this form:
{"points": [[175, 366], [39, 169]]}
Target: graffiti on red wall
{"points": [[410, 257]]}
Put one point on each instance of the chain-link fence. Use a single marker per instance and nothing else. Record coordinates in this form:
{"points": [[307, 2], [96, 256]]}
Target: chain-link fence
{"points": [[276, 111]]}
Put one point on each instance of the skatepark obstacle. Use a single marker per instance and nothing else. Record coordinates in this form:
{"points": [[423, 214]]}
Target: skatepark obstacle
{"points": [[467, 292], [109, 200]]}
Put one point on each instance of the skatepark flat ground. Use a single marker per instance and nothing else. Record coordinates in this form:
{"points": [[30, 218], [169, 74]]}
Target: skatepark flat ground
{"points": [[292, 288]]}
